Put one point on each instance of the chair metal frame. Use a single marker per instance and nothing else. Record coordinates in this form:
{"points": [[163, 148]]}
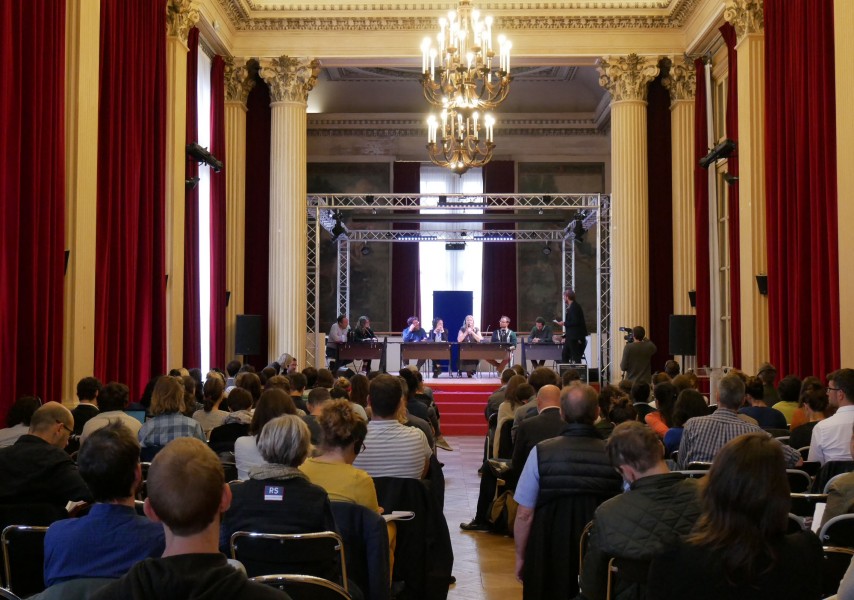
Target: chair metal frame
{"points": [[614, 569], [4, 540], [326, 535], [7, 595], [693, 473], [831, 480], [281, 580], [812, 499], [828, 551], [793, 474], [583, 542], [823, 534]]}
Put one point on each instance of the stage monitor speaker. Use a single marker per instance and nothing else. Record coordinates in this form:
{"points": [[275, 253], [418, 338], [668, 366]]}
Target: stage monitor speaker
{"points": [[579, 368], [683, 335], [247, 335]]}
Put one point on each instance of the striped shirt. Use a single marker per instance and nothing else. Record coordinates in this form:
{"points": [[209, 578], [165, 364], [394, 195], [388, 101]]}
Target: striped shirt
{"points": [[393, 450], [162, 429], [703, 437]]}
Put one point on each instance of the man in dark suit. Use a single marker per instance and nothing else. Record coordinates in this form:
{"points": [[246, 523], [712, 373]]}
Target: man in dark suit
{"points": [[547, 424], [574, 329]]}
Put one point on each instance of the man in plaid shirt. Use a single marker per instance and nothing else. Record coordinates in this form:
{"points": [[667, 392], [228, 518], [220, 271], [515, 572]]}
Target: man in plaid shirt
{"points": [[704, 436]]}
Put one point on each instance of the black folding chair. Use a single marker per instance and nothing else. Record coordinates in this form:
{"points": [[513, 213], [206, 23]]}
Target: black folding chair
{"points": [[627, 571], [304, 587], [834, 564], [838, 531], [23, 558], [803, 505], [318, 554], [799, 481], [698, 466]]}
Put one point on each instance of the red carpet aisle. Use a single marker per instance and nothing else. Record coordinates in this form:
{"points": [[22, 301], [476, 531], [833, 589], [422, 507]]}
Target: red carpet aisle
{"points": [[461, 404]]}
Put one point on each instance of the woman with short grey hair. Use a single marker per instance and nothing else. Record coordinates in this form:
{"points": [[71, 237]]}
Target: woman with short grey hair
{"points": [[285, 440]]}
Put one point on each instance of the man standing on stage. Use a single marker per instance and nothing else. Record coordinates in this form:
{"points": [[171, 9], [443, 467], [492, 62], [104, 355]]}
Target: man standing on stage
{"points": [[574, 329]]}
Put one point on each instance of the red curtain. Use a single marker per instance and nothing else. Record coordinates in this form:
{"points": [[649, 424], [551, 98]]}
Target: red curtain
{"points": [[728, 33], [800, 176], [256, 263], [32, 198], [192, 319], [218, 256], [499, 258], [130, 307], [405, 267], [701, 219], [660, 209]]}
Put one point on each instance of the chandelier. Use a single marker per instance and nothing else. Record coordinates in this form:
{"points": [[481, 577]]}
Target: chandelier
{"points": [[464, 78]]}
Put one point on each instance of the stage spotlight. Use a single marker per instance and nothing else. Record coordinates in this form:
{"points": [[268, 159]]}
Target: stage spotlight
{"points": [[578, 230], [722, 150], [365, 249], [338, 229], [546, 249]]}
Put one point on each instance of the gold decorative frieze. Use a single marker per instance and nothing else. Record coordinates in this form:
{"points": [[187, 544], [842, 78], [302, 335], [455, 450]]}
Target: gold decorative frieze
{"points": [[378, 127], [181, 17], [238, 83], [747, 16], [290, 79], [627, 77], [681, 81]]}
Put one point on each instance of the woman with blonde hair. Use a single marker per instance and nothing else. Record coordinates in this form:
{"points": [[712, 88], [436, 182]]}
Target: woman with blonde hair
{"points": [[167, 422]]}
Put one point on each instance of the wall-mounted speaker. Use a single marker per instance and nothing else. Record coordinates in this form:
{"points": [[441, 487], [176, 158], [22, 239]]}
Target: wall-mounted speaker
{"points": [[683, 335], [762, 284], [247, 335], [692, 298]]}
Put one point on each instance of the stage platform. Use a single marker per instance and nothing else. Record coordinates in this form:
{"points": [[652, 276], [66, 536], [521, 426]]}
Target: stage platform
{"points": [[462, 402]]}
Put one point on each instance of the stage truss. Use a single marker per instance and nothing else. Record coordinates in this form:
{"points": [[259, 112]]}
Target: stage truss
{"points": [[327, 211]]}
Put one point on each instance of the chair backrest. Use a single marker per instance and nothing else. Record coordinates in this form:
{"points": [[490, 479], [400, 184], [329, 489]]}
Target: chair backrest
{"points": [[803, 505], [698, 466], [804, 451], [365, 536], [147, 453], [304, 587], [583, 543], [811, 467], [320, 554], [831, 480], [828, 470], [625, 570], [838, 531], [505, 440], [23, 558], [795, 523], [778, 432], [799, 481], [230, 470], [834, 564], [492, 423], [7, 595], [694, 473]]}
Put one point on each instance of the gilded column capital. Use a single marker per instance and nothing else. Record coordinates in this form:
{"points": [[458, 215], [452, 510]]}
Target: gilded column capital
{"points": [[290, 79], [627, 77], [747, 16], [681, 81], [181, 17], [238, 83]]}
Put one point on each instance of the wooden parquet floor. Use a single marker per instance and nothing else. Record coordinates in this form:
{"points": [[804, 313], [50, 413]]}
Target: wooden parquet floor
{"points": [[483, 562]]}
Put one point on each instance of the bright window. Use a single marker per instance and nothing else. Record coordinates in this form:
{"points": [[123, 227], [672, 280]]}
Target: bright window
{"points": [[203, 89]]}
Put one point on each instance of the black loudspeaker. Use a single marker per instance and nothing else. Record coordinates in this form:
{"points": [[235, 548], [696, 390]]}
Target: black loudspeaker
{"points": [[247, 335], [692, 298], [683, 335], [762, 284]]}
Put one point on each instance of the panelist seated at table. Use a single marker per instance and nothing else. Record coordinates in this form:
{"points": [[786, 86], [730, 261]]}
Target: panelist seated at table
{"points": [[415, 333], [505, 336], [468, 334], [540, 334], [437, 334], [338, 334], [364, 333]]}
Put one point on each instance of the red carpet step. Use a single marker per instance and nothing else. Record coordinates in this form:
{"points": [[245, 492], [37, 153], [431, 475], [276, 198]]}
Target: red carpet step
{"points": [[462, 404]]}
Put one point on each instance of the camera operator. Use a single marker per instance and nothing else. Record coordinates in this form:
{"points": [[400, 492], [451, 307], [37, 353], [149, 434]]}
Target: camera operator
{"points": [[637, 355]]}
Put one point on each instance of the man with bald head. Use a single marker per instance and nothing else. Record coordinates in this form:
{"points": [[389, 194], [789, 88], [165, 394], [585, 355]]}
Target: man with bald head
{"points": [[36, 469], [547, 424]]}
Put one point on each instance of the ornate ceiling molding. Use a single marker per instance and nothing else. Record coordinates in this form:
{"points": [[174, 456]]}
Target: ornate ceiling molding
{"points": [[181, 16], [378, 127], [290, 79], [627, 77], [681, 81], [550, 16], [374, 75], [747, 16], [238, 83]]}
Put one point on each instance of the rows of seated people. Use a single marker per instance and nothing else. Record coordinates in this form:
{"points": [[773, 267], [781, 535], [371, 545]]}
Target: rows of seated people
{"points": [[305, 450], [690, 498]]}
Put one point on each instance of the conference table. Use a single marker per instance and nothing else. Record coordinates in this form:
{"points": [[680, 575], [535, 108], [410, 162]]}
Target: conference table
{"points": [[541, 351]]}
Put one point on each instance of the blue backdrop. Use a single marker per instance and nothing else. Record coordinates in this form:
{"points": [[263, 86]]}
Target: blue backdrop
{"points": [[452, 308]]}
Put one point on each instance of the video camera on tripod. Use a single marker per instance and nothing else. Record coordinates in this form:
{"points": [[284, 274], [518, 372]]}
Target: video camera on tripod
{"points": [[630, 336]]}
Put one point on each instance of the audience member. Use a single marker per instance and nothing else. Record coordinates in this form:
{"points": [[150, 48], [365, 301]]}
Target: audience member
{"points": [[840, 493], [232, 368], [831, 437], [236, 423], [814, 406], [167, 422], [637, 356], [607, 395], [317, 398], [251, 383], [88, 389], [211, 416], [324, 379], [665, 400], [391, 448], [507, 409], [18, 419], [111, 538], [659, 507], [640, 396], [689, 403], [36, 469], [190, 403], [703, 437], [767, 374], [538, 378], [758, 408], [298, 383], [739, 547], [671, 367], [497, 397], [273, 403], [113, 400], [187, 494], [278, 497], [789, 391]]}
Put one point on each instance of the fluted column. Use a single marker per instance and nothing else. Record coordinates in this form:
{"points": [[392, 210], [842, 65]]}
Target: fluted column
{"points": [[843, 25], [627, 78], [290, 81], [82, 55], [682, 85], [181, 15], [747, 18], [237, 87]]}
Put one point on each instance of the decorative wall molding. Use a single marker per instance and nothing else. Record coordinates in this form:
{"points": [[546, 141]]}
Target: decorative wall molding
{"points": [[627, 77], [681, 81], [238, 83], [290, 79], [378, 127], [181, 17], [747, 16]]}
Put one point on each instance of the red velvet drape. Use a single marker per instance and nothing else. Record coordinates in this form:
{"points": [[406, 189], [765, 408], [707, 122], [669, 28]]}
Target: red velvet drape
{"points": [[701, 219], [192, 320], [257, 259], [728, 33], [218, 256], [32, 198], [405, 267], [499, 258], [660, 210], [800, 175], [130, 306]]}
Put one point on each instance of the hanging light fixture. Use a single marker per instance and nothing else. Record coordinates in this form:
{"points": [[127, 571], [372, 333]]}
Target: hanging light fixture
{"points": [[464, 78]]}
